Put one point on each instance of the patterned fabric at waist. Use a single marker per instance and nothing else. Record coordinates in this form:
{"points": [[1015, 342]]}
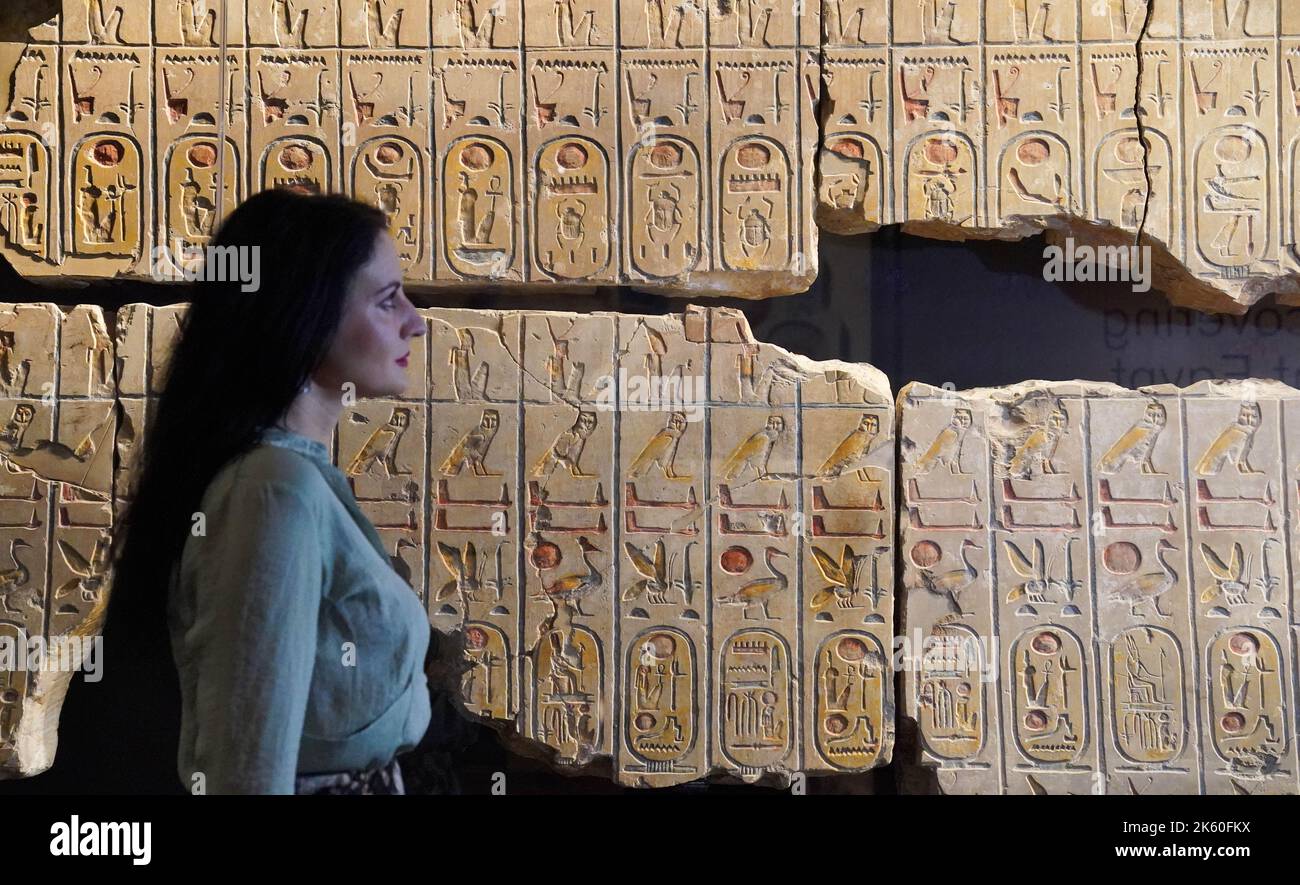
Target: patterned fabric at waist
{"points": [[386, 780]]}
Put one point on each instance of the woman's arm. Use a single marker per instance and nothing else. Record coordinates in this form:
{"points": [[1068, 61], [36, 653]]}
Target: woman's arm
{"points": [[257, 599]]}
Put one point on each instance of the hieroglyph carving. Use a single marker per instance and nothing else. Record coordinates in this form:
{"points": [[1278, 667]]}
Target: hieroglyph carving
{"points": [[56, 514], [643, 142], [1113, 566], [670, 545], [672, 146], [666, 543], [969, 119]]}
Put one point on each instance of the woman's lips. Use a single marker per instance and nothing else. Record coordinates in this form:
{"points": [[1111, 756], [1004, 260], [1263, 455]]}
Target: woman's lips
{"points": [[402, 361]]}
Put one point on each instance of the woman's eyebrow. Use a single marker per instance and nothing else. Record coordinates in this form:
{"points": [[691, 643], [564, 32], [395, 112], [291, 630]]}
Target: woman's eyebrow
{"points": [[396, 284]]}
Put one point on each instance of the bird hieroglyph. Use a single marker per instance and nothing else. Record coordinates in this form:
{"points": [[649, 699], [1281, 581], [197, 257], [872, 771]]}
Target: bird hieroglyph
{"points": [[1128, 551], [676, 147]]}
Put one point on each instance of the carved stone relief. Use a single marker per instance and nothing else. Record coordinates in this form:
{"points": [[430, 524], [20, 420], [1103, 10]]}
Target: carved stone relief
{"points": [[56, 515], [641, 580], [676, 147], [1112, 123], [665, 543], [1097, 587], [668, 146], [669, 548]]}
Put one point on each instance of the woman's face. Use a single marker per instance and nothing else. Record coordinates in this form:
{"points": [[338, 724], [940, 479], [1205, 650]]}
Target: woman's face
{"points": [[372, 347]]}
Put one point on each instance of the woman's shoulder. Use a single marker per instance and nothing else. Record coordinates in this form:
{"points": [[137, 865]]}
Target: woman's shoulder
{"points": [[264, 495], [267, 465]]}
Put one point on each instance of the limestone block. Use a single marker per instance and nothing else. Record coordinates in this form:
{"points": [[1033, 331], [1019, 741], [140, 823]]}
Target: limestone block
{"points": [[30, 157], [1112, 123], [690, 588], [295, 121], [199, 102], [197, 23], [107, 138], [1096, 586], [667, 546], [390, 169], [143, 338], [663, 145], [727, 556], [681, 148], [56, 514]]}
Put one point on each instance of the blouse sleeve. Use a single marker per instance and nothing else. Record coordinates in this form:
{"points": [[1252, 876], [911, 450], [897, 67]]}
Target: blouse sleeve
{"points": [[257, 598]]}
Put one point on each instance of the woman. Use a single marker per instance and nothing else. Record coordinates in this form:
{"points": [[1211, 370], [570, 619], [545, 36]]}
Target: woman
{"points": [[299, 651]]}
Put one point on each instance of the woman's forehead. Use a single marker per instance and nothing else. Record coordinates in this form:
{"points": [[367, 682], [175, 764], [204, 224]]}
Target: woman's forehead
{"points": [[383, 266]]}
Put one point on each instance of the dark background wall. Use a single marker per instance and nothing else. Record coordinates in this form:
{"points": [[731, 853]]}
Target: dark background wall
{"points": [[974, 314]]}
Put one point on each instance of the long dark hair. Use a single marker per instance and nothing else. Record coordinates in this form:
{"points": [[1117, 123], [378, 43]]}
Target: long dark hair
{"points": [[239, 360]]}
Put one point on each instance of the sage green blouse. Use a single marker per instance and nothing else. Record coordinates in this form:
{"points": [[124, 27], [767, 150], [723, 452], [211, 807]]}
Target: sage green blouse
{"points": [[300, 650]]}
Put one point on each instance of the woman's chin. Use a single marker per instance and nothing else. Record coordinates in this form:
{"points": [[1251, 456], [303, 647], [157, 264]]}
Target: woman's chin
{"points": [[394, 383], [373, 391], [397, 386]]}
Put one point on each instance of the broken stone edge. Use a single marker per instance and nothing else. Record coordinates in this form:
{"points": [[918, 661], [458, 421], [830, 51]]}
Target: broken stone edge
{"points": [[913, 773], [444, 673]]}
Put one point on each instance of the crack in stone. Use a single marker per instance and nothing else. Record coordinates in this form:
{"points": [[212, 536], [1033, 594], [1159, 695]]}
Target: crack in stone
{"points": [[1141, 126], [819, 120]]}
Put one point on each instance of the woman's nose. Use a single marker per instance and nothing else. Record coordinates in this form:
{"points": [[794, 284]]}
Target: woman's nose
{"points": [[414, 326]]}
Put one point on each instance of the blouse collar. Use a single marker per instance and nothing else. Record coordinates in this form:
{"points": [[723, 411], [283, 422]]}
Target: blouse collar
{"points": [[287, 439], [317, 452]]}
